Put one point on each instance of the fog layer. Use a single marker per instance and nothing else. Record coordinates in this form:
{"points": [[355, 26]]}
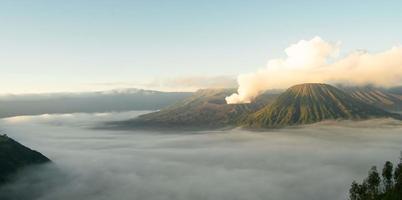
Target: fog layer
{"points": [[314, 162]]}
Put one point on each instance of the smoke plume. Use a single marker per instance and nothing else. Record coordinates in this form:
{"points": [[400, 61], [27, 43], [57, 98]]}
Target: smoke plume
{"points": [[316, 60]]}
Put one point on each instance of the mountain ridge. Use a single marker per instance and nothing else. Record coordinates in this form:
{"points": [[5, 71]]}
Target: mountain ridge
{"points": [[387, 99], [89, 102], [300, 104]]}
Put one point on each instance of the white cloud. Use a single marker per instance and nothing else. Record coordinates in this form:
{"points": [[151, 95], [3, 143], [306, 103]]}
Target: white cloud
{"points": [[316, 60]]}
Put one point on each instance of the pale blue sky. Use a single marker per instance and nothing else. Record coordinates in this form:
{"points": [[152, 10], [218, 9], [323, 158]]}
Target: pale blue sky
{"points": [[81, 45]]}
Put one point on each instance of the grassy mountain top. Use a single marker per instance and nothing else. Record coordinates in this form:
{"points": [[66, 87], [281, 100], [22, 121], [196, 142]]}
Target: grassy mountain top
{"points": [[312, 102]]}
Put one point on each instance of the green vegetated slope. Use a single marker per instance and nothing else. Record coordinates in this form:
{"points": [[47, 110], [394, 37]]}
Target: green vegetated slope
{"points": [[14, 156], [312, 102]]}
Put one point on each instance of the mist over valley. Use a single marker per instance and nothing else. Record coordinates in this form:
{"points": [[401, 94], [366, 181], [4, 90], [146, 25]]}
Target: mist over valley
{"points": [[316, 161]]}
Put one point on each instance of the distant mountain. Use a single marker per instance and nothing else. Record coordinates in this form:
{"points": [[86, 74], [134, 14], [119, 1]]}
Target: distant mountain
{"points": [[14, 156], [395, 90], [312, 102], [387, 99], [103, 101], [206, 108]]}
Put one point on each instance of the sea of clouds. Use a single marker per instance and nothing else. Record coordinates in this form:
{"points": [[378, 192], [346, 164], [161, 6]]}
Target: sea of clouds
{"points": [[314, 162]]}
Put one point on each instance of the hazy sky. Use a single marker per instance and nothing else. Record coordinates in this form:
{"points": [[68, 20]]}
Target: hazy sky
{"points": [[86, 45]]}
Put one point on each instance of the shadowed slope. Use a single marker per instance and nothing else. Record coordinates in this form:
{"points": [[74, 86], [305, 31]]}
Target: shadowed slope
{"points": [[14, 156]]}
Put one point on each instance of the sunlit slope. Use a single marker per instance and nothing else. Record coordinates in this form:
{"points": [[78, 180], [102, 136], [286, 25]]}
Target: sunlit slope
{"points": [[312, 102]]}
